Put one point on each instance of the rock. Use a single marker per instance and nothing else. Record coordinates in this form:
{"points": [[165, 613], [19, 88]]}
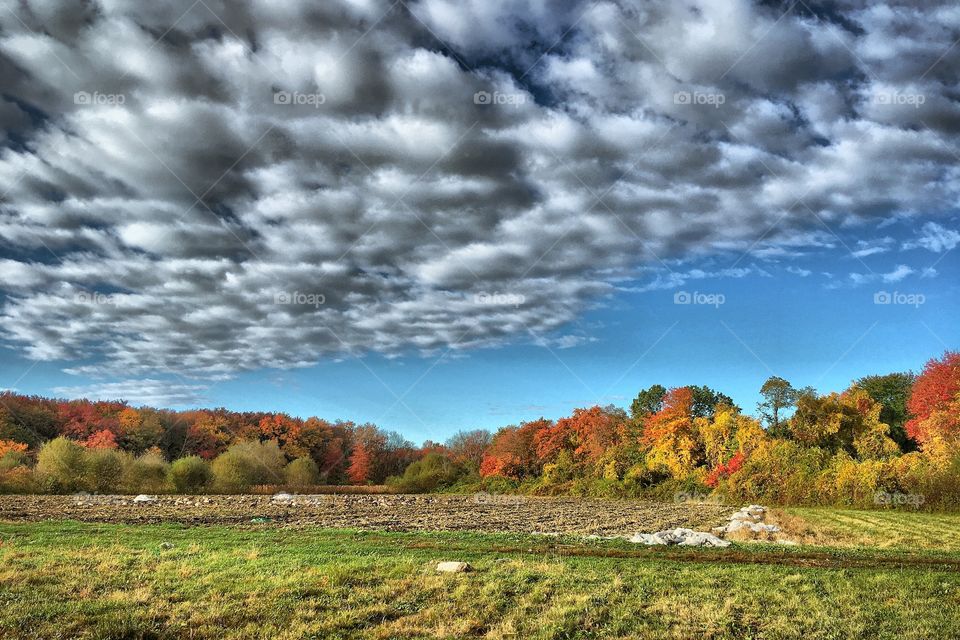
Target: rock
{"points": [[682, 537], [166, 546], [144, 498], [453, 567], [282, 497]]}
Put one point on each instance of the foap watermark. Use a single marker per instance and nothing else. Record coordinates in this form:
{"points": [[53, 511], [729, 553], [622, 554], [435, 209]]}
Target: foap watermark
{"points": [[899, 99], [498, 299], [898, 297], [497, 97], [95, 298], [681, 497], [299, 299], [482, 497], [709, 299], [699, 98], [885, 498], [299, 99], [96, 98]]}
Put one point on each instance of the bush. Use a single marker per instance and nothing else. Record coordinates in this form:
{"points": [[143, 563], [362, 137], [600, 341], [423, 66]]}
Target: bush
{"points": [[60, 466], [302, 472], [147, 474], [104, 469], [190, 475], [434, 471], [15, 474], [248, 463]]}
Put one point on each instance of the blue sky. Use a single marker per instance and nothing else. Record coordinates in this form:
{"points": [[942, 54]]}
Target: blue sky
{"points": [[442, 214]]}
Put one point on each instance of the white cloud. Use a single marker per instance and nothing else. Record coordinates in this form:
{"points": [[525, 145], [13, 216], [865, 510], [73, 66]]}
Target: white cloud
{"points": [[158, 222], [150, 392], [935, 237]]}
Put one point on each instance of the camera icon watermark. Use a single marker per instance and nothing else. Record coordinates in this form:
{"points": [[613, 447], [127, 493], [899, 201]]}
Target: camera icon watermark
{"points": [[899, 298], [897, 99], [699, 98], [698, 298], [482, 497], [298, 99], [95, 298], [85, 98], [498, 299], [884, 498], [682, 497], [299, 299], [511, 99]]}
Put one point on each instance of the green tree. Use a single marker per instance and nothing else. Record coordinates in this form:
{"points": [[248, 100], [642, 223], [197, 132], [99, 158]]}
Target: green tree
{"points": [[778, 396], [648, 402], [705, 401], [892, 391]]}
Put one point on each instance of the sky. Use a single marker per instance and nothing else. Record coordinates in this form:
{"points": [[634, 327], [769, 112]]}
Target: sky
{"points": [[439, 215]]}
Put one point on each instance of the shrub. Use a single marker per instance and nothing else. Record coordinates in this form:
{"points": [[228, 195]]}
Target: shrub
{"points": [[104, 469], [190, 475], [147, 474], [302, 472], [266, 460], [248, 463], [433, 472], [15, 475], [232, 472], [60, 466]]}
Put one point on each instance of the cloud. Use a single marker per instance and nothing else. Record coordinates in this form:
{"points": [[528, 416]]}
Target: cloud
{"points": [[209, 188], [151, 392], [935, 237]]}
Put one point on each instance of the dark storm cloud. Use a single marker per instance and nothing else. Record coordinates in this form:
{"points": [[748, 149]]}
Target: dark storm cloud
{"points": [[207, 187]]}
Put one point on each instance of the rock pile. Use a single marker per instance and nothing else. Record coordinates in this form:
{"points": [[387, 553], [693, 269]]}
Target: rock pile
{"points": [[748, 519], [681, 537]]}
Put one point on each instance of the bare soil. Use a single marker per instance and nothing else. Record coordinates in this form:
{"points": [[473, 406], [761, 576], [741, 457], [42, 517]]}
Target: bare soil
{"points": [[507, 514]]}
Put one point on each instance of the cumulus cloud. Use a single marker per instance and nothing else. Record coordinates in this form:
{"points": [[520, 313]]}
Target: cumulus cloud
{"points": [[205, 188]]}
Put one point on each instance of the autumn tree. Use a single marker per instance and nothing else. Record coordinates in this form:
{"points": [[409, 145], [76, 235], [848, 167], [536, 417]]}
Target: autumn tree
{"points": [[361, 464], [467, 447], [848, 422], [935, 403], [671, 435], [512, 452]]}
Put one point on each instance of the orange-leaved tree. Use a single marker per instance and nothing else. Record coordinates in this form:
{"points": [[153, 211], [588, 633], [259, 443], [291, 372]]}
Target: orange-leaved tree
{"points": [[671, 436], [512, 453], [935, 403], [361, 464]]}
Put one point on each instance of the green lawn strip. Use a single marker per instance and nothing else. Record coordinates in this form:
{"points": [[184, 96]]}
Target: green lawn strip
{"points": [[886, 529], [67, 579]]}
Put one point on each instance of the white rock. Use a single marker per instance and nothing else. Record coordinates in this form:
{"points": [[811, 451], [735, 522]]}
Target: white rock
{"points": [[282, 497], [453, 567], [683, 537], [144, 498]]}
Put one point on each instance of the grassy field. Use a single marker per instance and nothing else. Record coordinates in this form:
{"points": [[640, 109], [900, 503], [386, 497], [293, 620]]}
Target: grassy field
{"points": [[877, 529], [69, 579]]}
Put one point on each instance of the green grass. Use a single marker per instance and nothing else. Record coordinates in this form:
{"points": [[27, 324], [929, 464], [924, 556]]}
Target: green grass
{"points": [[68, 579], [894, 529]]}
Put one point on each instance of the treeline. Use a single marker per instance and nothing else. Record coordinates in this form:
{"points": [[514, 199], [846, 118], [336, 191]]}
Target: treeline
{"points": [[887, 439], [62, 446]]}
